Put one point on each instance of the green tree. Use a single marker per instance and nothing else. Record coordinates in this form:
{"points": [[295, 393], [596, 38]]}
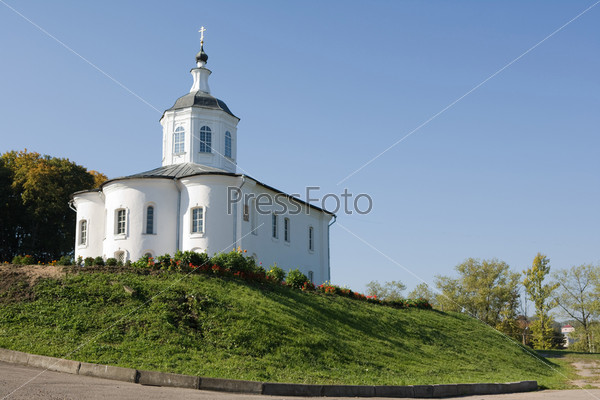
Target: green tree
{"points": [[40, 223], [576, 298], [388, 291], [423, 291], [542, 296], [485, 289]]}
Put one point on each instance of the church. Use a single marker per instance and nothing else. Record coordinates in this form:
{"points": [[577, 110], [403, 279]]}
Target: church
{"points": [[197, 201]]}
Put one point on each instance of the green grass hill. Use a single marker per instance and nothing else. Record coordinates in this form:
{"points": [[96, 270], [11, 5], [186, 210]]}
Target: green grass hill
{"points": [[223, 327]]}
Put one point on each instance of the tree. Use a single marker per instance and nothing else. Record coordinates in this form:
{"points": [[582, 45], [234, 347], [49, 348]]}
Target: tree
{"points": [[38, 219], [576, 297], [388, 291], [542, 296], [422, 291], [486, 289]]}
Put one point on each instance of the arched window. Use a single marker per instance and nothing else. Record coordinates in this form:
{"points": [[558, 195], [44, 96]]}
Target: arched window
{"points": [[120, 256], [197, 223], [205, 140], [228, 144], [286, 229], [150, 220], [120, 221], [83, 232], [274, 226], [179, 140]]}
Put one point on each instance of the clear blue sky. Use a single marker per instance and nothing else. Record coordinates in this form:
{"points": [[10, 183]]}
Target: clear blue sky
{"points": [[323, 87]]}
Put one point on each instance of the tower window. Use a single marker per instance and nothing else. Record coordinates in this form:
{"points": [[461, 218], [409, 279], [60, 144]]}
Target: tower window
{"points": [[311, 238], [286, 229], [179, 140], [83, 232], [274, 226], [197, 220], [121, 222], [228, 144], [205, 140], [150, 220]]}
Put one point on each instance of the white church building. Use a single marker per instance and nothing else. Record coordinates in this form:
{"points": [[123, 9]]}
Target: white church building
{"points": [[197, 201]]}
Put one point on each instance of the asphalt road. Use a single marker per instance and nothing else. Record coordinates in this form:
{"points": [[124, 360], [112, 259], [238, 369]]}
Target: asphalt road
{"points": [[26, 383]]}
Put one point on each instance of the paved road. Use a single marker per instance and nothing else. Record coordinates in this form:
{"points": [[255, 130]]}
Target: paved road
{"points": [[59, 386]]}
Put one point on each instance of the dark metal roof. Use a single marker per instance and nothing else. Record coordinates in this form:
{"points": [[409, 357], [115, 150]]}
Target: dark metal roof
{"points": [[174, 171], [178, 171], [201, 100]]}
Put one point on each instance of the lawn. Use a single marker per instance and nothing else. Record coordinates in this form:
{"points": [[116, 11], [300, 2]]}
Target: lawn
{"points": [[222, 327]]}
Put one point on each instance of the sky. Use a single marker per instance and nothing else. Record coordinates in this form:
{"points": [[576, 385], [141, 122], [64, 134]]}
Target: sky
{"points": [[473, 126]]}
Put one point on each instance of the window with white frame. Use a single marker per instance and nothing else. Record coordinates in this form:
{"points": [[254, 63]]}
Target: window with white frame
{"points": [[228, 144], [197, 223], [274, 221], [120, 221], [253, 227], [311, 238], [83, 232], [246, 215], [205, 140], [286, 229], [179, 140], [311, 276], [150, 220]]}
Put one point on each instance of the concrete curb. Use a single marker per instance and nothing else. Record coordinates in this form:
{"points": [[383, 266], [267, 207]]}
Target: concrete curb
{"points": [[109, 372], [155, 378]]}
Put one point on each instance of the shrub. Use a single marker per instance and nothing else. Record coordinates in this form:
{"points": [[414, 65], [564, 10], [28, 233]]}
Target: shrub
{"points": [[98, 261], [234, 261], [88, 262], [276, 274], [144, 262], [23, 260], [295, 278], [65, 260], [111, 261], [191, 257], [164, 262]]}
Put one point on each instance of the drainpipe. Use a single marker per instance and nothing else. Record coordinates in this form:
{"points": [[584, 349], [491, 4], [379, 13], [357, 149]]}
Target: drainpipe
{"points": [[237, 238], [177, 235], [72, 206], [328, 248]]}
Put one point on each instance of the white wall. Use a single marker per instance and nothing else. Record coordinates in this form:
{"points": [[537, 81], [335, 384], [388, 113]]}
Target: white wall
{"points": [[192, 119], [223, 230], [90, 207], [134, 195]]}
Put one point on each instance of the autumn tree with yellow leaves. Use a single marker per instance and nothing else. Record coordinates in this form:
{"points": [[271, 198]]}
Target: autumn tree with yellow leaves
{"points": [[35, 190]]}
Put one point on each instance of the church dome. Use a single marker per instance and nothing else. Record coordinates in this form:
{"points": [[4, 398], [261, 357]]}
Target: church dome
{"points": [[201, 56], [201, 99]]}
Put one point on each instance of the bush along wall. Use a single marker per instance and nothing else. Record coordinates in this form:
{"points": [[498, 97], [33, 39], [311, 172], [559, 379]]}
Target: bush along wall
{"points": [[236, 264]]}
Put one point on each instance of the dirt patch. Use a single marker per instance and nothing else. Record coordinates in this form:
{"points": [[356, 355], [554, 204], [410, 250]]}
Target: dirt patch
{"points": [[17, 281], [589, 371], [32, 272]]}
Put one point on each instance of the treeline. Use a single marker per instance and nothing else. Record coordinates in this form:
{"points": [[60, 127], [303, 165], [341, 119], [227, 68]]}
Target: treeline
{"points": [[491, 292], [35, 190]]}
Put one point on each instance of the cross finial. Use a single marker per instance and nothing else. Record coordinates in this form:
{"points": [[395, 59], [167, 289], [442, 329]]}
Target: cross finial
{"points": [[202, 30]]}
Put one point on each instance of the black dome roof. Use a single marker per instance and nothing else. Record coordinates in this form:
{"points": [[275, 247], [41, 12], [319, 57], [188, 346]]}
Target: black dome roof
{"points": [[201, 100], [201, 56]]}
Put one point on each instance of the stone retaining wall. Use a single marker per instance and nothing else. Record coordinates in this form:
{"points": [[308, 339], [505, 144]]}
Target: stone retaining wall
{"points": [[155, 378]]}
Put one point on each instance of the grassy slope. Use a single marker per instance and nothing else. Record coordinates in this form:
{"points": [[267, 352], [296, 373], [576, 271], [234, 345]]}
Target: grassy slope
{"points": [[226, 328]]}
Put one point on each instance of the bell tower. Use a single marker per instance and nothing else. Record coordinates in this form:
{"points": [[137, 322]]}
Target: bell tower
{"points": [[200, 128]]}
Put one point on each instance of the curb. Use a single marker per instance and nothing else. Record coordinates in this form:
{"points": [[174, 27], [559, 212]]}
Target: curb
{"points": [[155, 378]]}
